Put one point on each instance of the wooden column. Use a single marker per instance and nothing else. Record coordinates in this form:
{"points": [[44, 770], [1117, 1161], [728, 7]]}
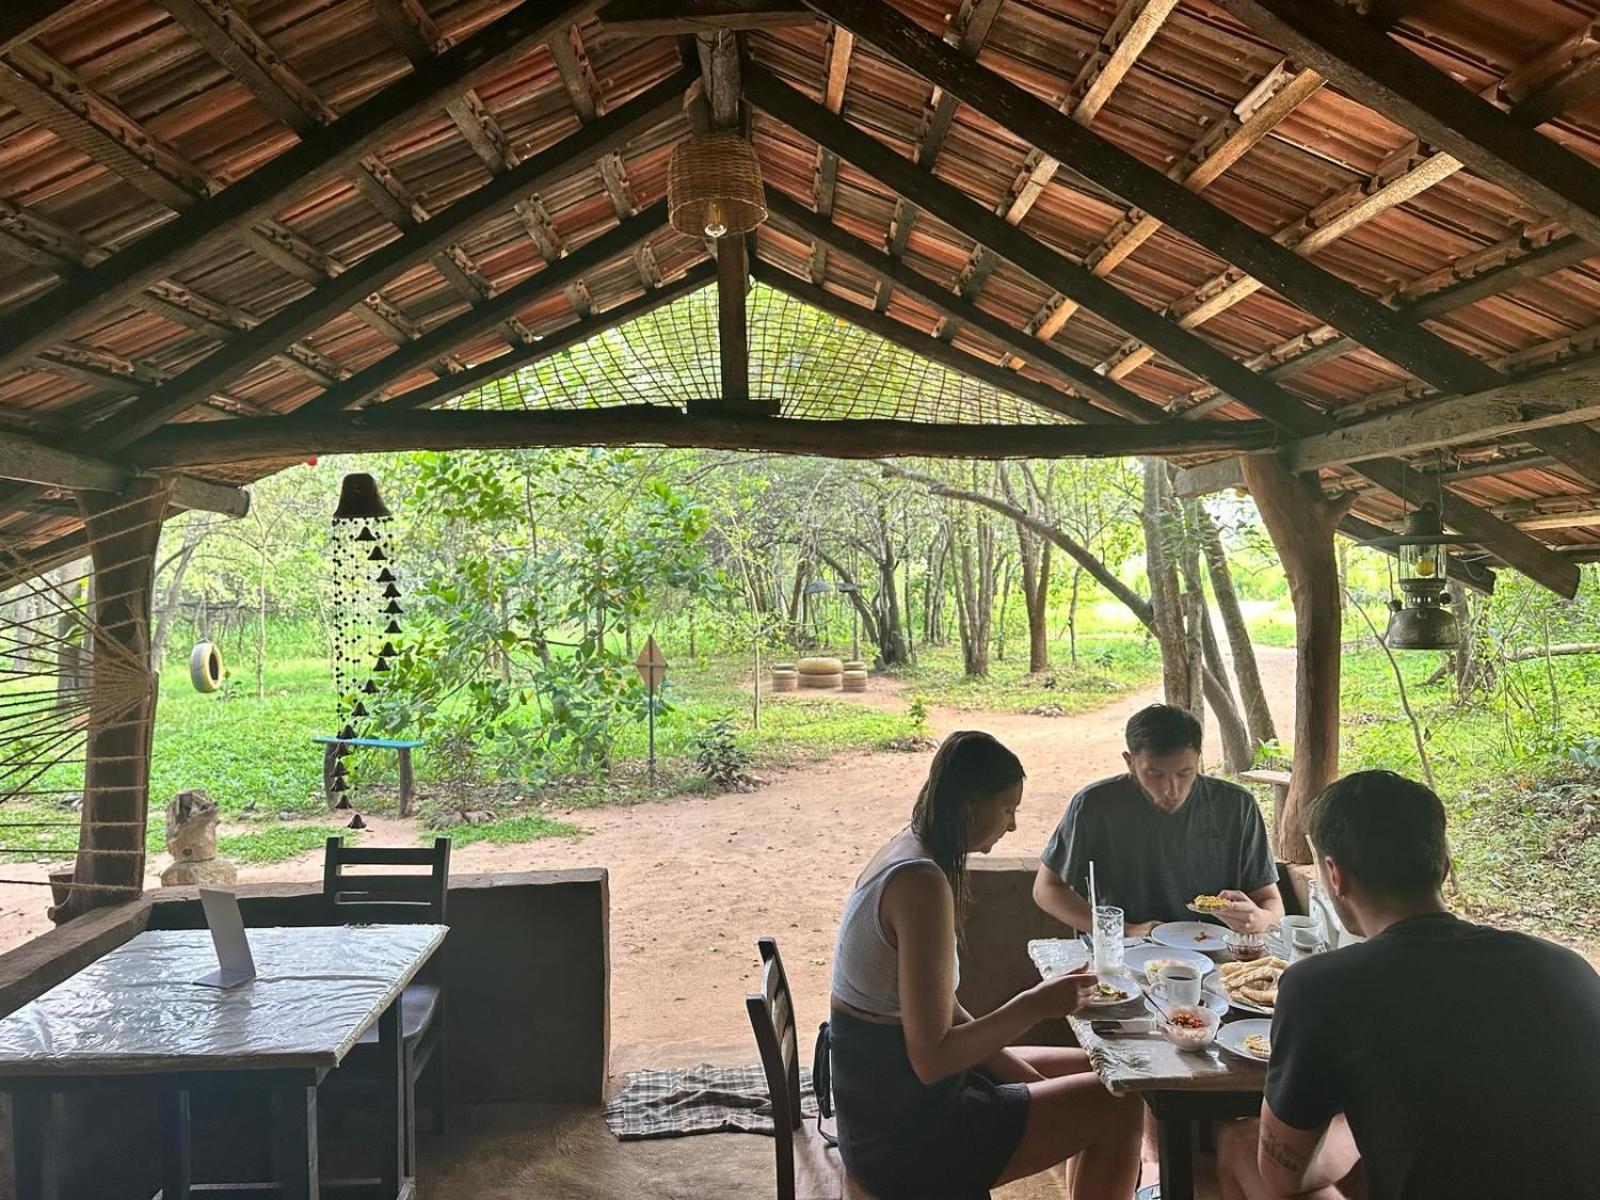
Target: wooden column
{"points": [[1301, 522], [123, 531]]}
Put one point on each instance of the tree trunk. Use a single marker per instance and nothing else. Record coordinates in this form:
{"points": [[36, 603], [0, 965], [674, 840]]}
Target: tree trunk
{"points": [[1301, 522], [174, 590], [124, 531], [891, 640], [1004, 593], [1258, 716], [1166, 601], [974, 560], [1238, 753], [1072, 615], [1035, 555]]}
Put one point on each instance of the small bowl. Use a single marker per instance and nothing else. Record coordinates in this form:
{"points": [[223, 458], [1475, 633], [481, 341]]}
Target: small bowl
{"points": [[1185, 1038], [1245, 947]]}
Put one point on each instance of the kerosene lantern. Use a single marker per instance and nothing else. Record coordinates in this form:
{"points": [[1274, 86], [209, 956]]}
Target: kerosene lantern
{"points": [[1420, 617]]}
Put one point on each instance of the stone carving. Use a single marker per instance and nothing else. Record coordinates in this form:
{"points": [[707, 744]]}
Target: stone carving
{"points": [[192, 842]]}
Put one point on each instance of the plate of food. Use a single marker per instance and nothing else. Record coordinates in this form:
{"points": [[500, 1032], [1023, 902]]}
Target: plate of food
{"points": [[1144, 961], [1251, 986], [1207, 905], [1114, 989], [1189, 935], [1247, 1039]]}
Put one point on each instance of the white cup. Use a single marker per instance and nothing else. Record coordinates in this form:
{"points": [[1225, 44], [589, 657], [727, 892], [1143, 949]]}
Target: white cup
{"points": [[1299, 933], [1178, 983]]}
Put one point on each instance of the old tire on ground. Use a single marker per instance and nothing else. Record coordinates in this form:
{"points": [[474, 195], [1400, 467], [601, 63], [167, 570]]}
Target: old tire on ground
{"points": [[205, 667], [822, 681], [820, 666], [854, 664], [785, 680], [855, 681]]}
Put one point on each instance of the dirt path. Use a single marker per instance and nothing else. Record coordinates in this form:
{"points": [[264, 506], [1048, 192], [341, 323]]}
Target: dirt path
{"points": [[694, 881]]}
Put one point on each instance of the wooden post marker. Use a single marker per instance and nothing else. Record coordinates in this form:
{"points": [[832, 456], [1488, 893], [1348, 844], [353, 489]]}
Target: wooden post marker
{"points": [[652, 667]]}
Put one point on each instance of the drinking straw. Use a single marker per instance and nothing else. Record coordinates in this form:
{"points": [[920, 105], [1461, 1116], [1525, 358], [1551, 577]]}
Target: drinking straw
{"points": [[1093, 902]]}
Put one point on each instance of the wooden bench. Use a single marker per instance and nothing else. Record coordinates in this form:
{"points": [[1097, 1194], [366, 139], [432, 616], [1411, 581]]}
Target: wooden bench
{"points": [[330, 760]]}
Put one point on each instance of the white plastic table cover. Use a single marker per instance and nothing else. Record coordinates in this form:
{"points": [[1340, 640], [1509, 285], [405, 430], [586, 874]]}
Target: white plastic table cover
{"points": [[1143, 1062], [138, 1009]]}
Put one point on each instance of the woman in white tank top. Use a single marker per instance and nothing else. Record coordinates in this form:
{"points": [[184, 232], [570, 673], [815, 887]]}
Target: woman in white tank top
{"points": [[934, 1104]]}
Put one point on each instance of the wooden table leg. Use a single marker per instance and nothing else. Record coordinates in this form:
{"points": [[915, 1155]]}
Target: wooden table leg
{"points": [[294, 1140], [394, 1150], [405, 781], [1175, 1143], [30, 1145], [176, 1175]]}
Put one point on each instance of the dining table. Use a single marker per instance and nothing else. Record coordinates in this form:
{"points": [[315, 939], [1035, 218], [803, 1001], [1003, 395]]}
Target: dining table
{"points": [[1181, 1088], [137, 1020]]}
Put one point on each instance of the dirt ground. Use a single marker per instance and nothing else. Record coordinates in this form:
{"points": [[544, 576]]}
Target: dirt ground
{"points": [[695, 880]]}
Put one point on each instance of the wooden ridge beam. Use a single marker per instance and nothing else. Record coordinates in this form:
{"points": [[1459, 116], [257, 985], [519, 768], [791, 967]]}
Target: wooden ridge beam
{"points": [[1563, 396], [446, 337], [1368, 64], [27, 461], [1301, 282], [323, 154], [1112, 395], [921, 344], [661, 425], [345, 290], [1181, 346], [670, 18]]}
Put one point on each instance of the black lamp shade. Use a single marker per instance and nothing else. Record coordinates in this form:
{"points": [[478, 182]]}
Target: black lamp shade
{"points": [[359, 499]]}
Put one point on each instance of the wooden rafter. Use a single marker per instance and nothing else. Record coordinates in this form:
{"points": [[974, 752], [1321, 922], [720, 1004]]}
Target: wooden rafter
{"points": [[655, 18], [1112, 395], [343, 291], [27, 461], [23, 19], [1367, 63], [212, 225], [660, 425], [1179, 345], [841, 46], [1301, 282]]}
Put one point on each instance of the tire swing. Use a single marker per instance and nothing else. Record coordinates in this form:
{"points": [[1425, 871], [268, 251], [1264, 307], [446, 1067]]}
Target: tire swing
{"points": [[205, 667]]}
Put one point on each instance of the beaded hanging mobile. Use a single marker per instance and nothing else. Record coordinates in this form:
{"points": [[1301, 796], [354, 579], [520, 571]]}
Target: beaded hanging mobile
{"points": [[366, 613]]}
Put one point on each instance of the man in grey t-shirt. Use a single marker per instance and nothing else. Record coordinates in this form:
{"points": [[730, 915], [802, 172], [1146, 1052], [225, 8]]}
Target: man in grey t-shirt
{"points": [[1160, 835]]}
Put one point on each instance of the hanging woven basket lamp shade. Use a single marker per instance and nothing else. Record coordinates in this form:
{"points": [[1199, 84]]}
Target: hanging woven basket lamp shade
{"points": [[714, 186]]}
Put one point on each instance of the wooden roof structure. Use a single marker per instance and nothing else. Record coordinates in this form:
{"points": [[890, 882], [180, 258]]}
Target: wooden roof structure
{"points": [[237, 232]]}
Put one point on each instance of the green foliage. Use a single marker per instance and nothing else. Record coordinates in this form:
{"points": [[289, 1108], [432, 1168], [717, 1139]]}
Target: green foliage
{"points": [[917, 713], [279, 843], [719, 756], [525, 828]]}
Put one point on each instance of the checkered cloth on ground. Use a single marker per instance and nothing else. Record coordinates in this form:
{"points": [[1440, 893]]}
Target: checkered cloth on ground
{"points": [[703, 1099]]}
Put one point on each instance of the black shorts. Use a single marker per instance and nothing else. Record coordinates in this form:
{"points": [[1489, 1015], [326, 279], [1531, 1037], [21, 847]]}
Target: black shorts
{"points": [[907, 1140]]}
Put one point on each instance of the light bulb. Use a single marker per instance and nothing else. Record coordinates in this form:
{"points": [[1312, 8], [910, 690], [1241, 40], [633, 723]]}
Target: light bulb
{"points": [[1426, 566], [715, 225]]}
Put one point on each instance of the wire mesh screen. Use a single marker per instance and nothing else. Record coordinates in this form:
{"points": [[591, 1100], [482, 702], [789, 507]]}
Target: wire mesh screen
{"points": [[814, 365]]}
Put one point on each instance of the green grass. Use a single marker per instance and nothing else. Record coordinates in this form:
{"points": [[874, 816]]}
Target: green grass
{"points": [[278, 844], [1109, 664], [507, 830]]}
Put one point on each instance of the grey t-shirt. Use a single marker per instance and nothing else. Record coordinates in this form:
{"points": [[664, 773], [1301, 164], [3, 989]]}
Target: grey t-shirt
{"points": [[1151, 863]]}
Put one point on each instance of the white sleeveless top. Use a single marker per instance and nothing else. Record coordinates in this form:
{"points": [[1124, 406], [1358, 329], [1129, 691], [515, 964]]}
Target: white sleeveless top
{"points": [[866, 967]]}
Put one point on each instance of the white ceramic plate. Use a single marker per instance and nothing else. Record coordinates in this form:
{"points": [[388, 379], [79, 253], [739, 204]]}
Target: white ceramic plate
{"points": [[1125, 982], [1190, 935], [1138, 959], [1231, 1037]]}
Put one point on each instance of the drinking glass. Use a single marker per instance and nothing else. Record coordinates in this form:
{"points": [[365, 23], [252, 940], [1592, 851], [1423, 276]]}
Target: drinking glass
{"points": [[1107, 940]]}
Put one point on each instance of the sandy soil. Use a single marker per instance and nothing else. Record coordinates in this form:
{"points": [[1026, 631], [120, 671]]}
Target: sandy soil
{"points": [[694, 881]]}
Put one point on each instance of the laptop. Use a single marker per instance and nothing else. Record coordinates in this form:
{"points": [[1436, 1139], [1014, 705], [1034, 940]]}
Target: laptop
{"points": [[235, 965]]}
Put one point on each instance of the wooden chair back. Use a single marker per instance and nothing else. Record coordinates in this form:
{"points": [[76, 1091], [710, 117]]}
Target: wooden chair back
{"points": [[773, 1020], [408, 898]]}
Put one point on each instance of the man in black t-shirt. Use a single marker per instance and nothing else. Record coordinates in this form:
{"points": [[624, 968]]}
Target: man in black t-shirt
{"points": [[1438, 1060], [1159, 836]]}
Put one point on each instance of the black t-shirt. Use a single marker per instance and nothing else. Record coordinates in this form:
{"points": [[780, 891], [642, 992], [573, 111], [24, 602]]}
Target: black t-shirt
{"points": [[1151, 863], [1466, 1060]]}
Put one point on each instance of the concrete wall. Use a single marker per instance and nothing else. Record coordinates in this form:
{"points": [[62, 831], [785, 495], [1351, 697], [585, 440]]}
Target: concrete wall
{"points": [[526, 969], [1001, 920]]}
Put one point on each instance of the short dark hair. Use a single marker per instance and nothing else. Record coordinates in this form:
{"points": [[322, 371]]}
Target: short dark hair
{"points": [[1161, 729], [1385, 830]]}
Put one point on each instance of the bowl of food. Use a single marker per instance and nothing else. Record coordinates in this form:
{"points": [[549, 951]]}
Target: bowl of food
{"points": [[1189, 1026], [1245, 947]]}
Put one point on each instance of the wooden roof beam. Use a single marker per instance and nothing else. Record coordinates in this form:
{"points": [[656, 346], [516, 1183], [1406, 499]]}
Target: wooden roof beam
{"points": [[212, 225], [660, 425], [841, 45], [364, 277], [1181, 346], [27, 461], [1080, 376], [23, 19], [1367, 63], [658, 18], [1106, 165]]}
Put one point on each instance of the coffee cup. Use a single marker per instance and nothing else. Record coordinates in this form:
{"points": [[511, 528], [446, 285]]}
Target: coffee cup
{"points": [[1299, 935], [1178, 983]]}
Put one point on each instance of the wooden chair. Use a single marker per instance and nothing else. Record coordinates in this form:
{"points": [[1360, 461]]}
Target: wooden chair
{"points": [[772, 1018], [411, 898]]}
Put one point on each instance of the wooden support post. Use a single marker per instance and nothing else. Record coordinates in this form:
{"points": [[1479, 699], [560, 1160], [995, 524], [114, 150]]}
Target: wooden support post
{"points": [[123, 531], [1301, 522]]}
